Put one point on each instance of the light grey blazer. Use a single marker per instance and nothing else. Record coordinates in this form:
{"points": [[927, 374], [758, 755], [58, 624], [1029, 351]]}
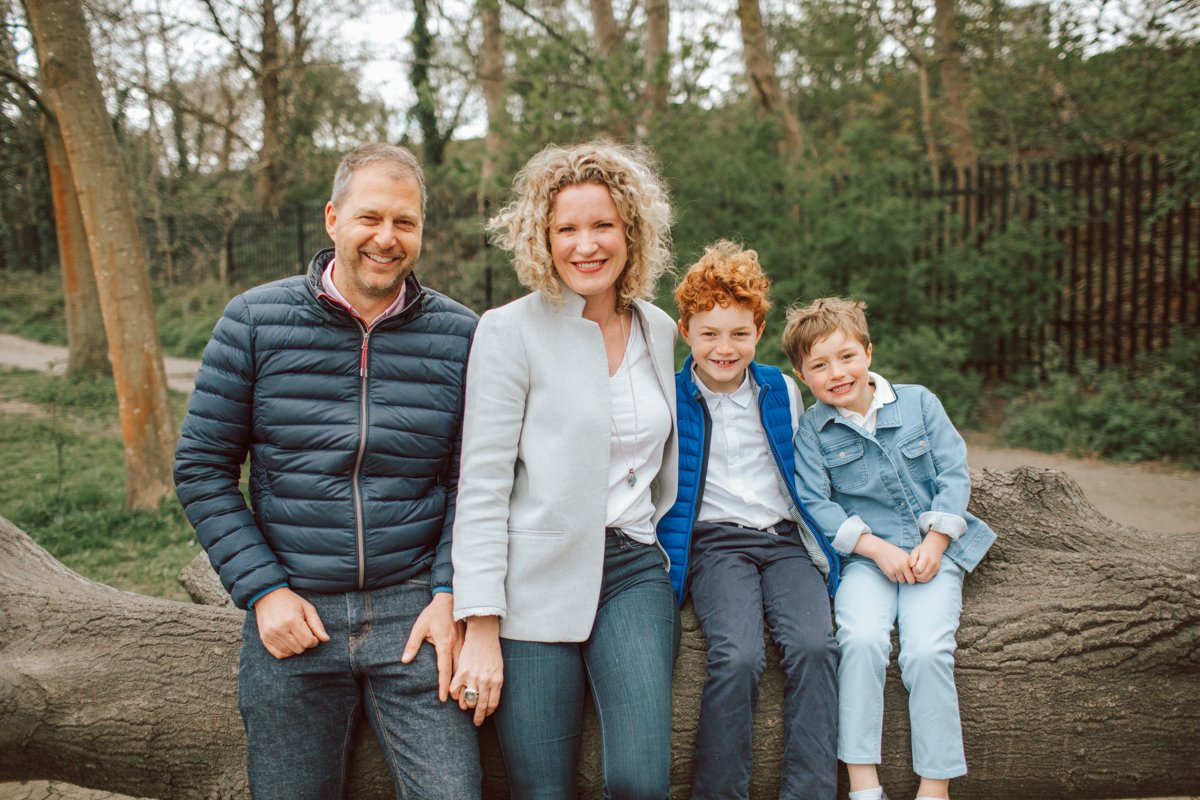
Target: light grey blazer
{"points": [[533, 484]]}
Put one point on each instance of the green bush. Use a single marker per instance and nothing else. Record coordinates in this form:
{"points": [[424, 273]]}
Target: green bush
{"points": [[1146, 412]]}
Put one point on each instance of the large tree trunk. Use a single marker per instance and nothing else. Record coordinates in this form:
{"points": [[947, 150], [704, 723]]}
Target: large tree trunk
{"points": [[764, 83], [955, 87], [1078, 672], [118, 253], [87, 347]]}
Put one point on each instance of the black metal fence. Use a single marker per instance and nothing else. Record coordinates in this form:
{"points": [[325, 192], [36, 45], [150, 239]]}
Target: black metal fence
{"points": [[1123, 274], [250, 248]]}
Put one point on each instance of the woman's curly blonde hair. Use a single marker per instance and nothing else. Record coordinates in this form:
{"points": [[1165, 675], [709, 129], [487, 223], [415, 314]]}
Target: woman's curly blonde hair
{"points": [[631, 176]]}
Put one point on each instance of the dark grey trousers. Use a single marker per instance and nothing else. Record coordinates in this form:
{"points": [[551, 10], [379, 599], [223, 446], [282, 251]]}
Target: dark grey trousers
{"points": [[738, 577]]}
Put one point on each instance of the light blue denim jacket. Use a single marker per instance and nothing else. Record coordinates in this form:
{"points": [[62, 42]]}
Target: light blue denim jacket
{"points": [[909, 475]]}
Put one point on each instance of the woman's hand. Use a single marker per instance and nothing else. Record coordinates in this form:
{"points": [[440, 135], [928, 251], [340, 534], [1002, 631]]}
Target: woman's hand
{"points": [[480, 667]]}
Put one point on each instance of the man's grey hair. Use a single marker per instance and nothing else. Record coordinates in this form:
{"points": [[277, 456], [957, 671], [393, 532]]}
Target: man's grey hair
{"points": [[405, 162]]}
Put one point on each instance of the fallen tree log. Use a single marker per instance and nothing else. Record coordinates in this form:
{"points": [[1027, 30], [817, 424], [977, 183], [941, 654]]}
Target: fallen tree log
{"points": [[1079, 672]]}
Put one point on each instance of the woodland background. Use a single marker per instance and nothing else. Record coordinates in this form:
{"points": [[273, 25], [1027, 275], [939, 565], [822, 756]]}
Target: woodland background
{"points": [[1012, 187]]}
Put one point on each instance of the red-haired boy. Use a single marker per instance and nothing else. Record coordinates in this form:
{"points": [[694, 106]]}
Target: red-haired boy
{"points": [[740, 541]]}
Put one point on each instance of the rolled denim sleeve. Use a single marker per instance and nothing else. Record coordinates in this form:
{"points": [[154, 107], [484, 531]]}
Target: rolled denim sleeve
{"points": [[952, 481], [814, 488], [952, 525]]}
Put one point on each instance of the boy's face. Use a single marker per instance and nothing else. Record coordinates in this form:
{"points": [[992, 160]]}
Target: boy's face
{"points": [[722, 341], [835, 371]]}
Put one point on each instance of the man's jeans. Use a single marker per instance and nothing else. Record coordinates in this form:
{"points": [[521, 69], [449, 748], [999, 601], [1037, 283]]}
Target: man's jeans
{"points": [[628, 661], [300, 712], [738, 576]]}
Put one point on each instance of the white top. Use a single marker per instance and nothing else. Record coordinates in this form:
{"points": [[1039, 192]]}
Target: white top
{"points": [[741, 482], [637, 403], [883, 395]]}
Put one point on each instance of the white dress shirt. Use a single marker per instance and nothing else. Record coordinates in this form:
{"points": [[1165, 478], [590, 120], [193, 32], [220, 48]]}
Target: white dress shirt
{"points": [[741, 482]]}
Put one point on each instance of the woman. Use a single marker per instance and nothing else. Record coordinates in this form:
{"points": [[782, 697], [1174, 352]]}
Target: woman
{"points": [[568, 460]]}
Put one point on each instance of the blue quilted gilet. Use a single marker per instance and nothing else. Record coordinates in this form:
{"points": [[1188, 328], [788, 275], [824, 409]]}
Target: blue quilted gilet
{"points": [[675, 528]]}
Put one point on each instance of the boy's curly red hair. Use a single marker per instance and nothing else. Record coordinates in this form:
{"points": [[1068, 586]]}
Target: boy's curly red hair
{"points": [[725, 275]]}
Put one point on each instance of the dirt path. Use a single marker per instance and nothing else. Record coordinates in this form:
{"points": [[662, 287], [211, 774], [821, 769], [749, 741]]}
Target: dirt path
{"points": [[19, 353], [1148, 496]]}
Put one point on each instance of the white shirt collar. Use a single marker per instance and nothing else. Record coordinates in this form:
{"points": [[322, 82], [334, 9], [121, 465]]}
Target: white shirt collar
{"points": [[884, 394], [741, 396], [331, 289]]}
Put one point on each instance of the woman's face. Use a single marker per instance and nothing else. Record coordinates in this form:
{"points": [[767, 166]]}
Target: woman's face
{"points": [[587, 241]]}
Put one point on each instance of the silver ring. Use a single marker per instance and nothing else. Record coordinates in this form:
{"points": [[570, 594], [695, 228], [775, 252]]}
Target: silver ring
{"points": [[471, 696]]}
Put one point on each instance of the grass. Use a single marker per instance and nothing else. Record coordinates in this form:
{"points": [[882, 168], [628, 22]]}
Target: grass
{"points": [[62, 481], [186, 314]]}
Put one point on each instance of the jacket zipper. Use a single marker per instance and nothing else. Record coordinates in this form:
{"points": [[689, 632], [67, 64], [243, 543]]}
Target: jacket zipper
{"points": [[358, 458]]}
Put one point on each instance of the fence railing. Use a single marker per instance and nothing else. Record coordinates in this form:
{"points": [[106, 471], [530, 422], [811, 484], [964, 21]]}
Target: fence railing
{"points": [[1124, 274]]}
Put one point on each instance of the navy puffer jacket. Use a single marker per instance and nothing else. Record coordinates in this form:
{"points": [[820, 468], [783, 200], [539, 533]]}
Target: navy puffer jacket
{"points": [[353, 439]]}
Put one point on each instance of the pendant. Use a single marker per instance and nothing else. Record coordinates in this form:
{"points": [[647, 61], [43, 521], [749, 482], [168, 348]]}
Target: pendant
{"points": [[632, 479]]}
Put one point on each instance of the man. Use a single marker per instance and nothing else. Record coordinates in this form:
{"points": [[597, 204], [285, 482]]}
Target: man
{"points": [[345, 386]]}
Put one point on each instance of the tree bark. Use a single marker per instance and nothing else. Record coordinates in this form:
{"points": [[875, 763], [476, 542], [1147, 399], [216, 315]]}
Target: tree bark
{"points": [[608, 37], [955, 86], [1078, 666], [491, 75], [118, 253], [87, 347], [271, 167], [658, 62], [764, 83]]}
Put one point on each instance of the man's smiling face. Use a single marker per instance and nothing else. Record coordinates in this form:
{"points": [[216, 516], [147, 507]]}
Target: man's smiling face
{"points": [[376, 233]]}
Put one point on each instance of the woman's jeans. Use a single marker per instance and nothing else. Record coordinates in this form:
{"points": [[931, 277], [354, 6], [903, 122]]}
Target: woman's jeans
{"points": [[867, 606], [300, 712], [627, 660]]}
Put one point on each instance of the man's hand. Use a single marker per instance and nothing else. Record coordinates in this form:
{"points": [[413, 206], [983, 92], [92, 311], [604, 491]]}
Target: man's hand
{"points": [[926, 558], [891, 560], [436, 626], [287, 623], [480, 667]]}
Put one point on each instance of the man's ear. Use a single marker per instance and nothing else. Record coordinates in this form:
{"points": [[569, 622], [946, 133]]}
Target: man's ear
{"points": [[330, 220]]}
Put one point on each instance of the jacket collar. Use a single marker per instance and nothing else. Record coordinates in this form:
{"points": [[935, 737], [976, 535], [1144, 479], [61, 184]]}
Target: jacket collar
{"points": [[414, 293]]}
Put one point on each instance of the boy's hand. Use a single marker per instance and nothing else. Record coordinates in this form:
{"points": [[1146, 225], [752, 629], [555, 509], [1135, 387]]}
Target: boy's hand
{"points": [[891, 560], [926, 558]]}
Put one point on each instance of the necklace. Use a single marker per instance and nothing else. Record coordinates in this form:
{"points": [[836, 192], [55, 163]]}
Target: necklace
{"points": [[630, 476]]}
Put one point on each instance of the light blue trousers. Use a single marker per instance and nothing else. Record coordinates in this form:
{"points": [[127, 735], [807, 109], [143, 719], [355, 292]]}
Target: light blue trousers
{"points": [[866, 608]]}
